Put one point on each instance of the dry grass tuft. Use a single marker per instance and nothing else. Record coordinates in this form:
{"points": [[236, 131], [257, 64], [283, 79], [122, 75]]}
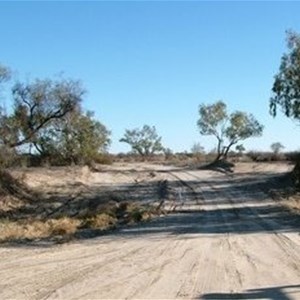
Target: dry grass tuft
{"points": [[12, 186], [293, 203], [63, 226], [101, 221], [35, 229], [26, 216], [17, 230]]}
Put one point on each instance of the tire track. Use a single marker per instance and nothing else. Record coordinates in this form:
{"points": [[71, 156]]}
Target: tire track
{"points": [[198, 249]]}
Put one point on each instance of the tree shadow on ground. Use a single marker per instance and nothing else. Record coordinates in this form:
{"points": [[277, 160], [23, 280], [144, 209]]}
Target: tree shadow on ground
{"points": [[222, 166], [261, 219], [237, 205], [271, 293]]}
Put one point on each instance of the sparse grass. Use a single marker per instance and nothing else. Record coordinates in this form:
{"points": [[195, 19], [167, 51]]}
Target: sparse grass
{"points": [[292, 202], [15, 187], [63, 226], [108, 216], [113, 215], [27, 216], [36, 229], [102, 221], [287, 193], [33, 229]]}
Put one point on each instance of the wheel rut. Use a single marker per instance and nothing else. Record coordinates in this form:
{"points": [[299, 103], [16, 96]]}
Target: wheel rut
{"points": [[213, 241]]}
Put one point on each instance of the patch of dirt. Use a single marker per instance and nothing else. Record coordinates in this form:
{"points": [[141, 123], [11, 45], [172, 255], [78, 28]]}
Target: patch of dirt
{"points": [[225, 238], [101, 200]]}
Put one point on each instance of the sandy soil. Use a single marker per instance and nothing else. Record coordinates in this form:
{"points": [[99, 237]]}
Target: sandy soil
{"points": [[225, 239]]}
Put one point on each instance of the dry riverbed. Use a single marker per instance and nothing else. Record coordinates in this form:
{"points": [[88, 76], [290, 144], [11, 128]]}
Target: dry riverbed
{"points": [[222, 236]]}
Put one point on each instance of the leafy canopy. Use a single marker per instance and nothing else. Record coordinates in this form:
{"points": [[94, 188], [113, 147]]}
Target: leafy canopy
{"points": [[5, 73], [144, 141], [47, 117], [76, 138], [276, 147], [286, 87], [37, 104], [228, 129]]}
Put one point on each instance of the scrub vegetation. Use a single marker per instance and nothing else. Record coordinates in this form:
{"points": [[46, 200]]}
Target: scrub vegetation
{"points": [[48, 127]]}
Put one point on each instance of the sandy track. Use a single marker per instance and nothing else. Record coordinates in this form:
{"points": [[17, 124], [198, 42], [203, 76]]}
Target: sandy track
{"points": [[225, 240]]}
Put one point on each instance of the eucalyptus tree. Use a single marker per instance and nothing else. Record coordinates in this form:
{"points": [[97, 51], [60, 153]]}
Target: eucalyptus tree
{"points": [[228, 129], [286, 86], [144, 141], [47, 114], [35, 106], [276, 147]]}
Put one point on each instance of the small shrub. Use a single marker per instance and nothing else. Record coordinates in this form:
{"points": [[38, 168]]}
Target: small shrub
{"points": [[103, 159], [8, 157], [63, 226], [136, 215], [293, 156], [36, 229], [101, 221], [11, 186]]}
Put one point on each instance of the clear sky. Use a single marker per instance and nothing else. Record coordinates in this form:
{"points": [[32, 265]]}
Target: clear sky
{"points": [[155, 62]]}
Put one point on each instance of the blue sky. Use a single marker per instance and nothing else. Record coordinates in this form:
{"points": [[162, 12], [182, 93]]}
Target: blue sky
{"points": [[155, 62]]}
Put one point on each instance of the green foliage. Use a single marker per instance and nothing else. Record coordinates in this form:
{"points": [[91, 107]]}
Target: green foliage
{"points": [[84, 137], [143, 141], [212, 122], [76, 138], [36, 105], [228, 129], [212, 119], [242, 126], [276, 147], [48, 118], [240, 148], [5, 73], [286, 87]]}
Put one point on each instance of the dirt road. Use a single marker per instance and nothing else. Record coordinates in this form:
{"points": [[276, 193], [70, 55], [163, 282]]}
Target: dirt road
{"points": [[226, 239]]}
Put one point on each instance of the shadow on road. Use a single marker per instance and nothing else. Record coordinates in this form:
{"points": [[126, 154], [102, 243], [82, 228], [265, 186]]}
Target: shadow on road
{"points": [[273, 293], [250, 211]]}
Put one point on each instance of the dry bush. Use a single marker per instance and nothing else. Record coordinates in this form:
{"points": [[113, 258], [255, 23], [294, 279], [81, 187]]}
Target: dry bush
{"points": [[109, 215], [134, 213], [10, 230], [14, 193], [293, 203], [200, 157], [63, 226], [36, 229], [24, 212], [261, 156], [12, 186], [103, 159], [101, 221], [9, 157], [20, 230]]}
